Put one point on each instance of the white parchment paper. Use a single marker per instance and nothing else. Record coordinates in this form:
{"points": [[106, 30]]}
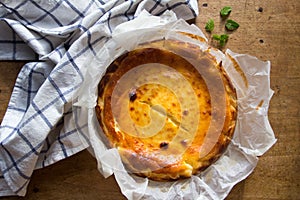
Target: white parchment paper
{"points": [[253, 134]]}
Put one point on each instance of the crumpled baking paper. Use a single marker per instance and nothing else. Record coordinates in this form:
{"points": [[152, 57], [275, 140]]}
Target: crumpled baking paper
{"points": [[253, 134]]}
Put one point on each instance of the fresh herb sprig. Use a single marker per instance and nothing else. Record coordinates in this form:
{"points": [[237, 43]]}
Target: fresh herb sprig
{"points": [[221, 38], [210, 25], [225, 11], [231, 25]]}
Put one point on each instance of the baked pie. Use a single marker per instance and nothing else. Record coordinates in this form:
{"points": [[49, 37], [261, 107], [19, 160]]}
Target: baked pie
{"points": [[168, 107]]}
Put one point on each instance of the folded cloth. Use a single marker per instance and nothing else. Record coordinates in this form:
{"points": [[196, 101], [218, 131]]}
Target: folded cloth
{"points": [[39, 126]]}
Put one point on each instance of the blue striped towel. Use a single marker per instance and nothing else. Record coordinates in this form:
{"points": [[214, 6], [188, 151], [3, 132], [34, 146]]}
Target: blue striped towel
{"points": [[38, 128]]}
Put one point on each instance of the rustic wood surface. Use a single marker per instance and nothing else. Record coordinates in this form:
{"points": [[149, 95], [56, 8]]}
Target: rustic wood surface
{"points": [[269, 30]]}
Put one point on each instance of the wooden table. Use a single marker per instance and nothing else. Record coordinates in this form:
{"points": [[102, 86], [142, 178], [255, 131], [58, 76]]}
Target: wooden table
{"points": [[269, 30]]}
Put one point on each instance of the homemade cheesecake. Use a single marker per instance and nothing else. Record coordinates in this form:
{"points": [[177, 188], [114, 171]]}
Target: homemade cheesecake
{"points": [[168, 107]]}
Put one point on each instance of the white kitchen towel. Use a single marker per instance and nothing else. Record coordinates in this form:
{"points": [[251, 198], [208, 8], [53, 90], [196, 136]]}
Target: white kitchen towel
{"points": [[39, 127]]}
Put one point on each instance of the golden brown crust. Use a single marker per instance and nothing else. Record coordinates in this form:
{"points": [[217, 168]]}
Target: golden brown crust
{"points": [[197, 126]]}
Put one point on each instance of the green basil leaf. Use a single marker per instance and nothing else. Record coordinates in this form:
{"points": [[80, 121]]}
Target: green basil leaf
{"points": [[221, 38], [210, 25], [231, 25], [225, 11], [224, 37], [216, 37]]}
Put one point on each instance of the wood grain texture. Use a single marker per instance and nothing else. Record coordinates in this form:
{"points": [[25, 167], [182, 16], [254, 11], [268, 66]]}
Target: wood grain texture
{"points": [[8, 75], [269, 30]]}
